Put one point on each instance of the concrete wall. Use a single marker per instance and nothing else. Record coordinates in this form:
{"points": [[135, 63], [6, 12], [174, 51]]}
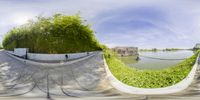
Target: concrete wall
{"points": [[53, 57], [21, 52], [50, 65], [10, 52], [49, 57]]}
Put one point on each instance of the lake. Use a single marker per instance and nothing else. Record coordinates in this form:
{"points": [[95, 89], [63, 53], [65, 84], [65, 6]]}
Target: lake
{"points": [[147, 60]]}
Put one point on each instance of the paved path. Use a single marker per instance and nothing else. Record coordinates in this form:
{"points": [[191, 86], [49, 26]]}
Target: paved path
{"points": [[85, 79], [82, 79]]}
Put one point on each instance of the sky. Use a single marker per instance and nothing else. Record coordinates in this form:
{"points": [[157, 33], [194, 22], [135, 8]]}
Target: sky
{"points": [[138, 23]]}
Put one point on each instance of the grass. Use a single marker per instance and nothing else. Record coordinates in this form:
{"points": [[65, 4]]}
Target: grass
{"points": [[148, 78]]}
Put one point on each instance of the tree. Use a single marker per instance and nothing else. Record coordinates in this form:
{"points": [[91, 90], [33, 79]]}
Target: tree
{"points": [[57, 34]]}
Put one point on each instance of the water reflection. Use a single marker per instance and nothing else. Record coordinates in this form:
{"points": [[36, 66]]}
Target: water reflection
{"points": [[152, 64]]}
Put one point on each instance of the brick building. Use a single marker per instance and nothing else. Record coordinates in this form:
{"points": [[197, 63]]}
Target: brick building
{"points": [[126, 51]]}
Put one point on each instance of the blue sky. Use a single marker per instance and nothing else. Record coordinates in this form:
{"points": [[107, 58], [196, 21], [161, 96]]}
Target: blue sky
{"points": [[141, 23]]}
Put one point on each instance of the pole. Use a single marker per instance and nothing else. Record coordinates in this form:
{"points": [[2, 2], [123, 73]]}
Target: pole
{"points": [[61, 79], [48, 95]]}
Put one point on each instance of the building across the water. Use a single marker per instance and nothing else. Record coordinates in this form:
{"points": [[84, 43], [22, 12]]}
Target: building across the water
{"points": [[197, 46], [126, 51]]}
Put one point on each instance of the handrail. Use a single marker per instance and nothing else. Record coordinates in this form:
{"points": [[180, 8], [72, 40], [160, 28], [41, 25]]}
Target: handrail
{"points": [[160, 58]]}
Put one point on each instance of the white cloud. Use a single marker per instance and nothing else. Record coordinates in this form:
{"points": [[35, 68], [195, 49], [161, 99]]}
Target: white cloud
{"points": [[182, 23]]}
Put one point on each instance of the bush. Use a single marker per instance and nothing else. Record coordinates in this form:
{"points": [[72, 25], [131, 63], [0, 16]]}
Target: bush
{"points": [[57, 34], [1, 47], [149, 78]]}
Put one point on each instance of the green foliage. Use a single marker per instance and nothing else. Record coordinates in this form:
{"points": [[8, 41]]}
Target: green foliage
{"points": [[57, 34], [171, 49], [149, 78], [1, 47]]}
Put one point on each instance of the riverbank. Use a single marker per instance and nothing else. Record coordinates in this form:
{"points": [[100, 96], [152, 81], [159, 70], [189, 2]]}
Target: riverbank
{"points": [[149, 78], [156, 60]]}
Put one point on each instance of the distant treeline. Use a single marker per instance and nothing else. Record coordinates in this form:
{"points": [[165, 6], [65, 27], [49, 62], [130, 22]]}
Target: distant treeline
{"points": [[166, 49], [171, 49]]}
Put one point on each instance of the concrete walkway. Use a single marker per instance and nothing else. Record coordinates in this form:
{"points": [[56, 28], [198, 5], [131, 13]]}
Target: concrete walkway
{"points": [[85, 79], [81, 79]]}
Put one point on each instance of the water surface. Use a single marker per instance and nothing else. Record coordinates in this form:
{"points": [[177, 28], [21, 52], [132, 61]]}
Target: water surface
{"points": [[149, 63]]}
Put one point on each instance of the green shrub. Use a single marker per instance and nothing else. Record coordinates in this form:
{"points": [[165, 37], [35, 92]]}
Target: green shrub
{"points": [[1, 47], [148, 78], [57, 34]]}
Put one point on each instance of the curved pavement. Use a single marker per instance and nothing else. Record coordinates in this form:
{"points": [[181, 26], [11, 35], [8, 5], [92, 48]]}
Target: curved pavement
{"points": [[83, 79]]}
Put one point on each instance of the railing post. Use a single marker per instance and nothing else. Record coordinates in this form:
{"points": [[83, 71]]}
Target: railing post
{"points": [[48, 95], [61, 79]]}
